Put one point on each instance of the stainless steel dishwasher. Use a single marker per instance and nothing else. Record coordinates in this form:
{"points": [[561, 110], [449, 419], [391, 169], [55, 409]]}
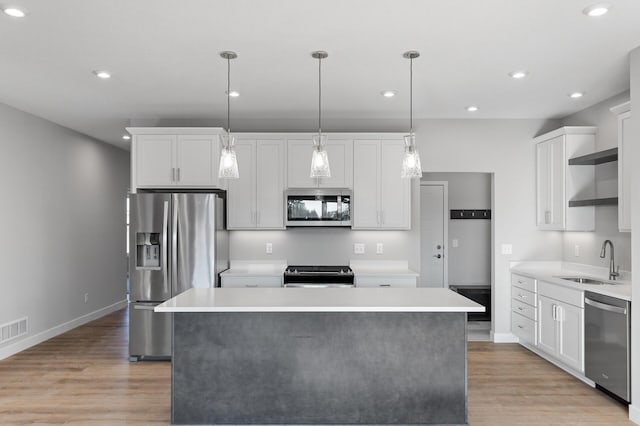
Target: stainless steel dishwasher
{"points": [[607, 343]]}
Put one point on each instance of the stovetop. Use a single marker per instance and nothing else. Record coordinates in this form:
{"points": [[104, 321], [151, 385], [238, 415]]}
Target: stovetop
{"points": [[325, 270]]}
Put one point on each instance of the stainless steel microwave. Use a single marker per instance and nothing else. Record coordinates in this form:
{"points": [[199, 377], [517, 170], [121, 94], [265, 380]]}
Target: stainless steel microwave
{"points": [[318, 207]]}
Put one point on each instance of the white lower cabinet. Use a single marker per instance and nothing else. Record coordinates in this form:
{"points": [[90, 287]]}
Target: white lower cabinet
{"points": [[250, 281], [523, 308], [561, 324], [387, 281]]}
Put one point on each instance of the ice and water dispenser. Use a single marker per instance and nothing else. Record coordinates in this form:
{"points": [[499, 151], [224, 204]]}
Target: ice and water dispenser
{"points": [[148, 250]]}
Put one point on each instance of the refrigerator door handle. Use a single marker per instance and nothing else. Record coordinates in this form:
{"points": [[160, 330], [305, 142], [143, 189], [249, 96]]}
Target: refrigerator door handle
{"points": [[174, 245], [165, 240]]}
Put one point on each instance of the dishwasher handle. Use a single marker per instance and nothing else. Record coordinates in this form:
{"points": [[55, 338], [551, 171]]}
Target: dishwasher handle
{"points": [[605, 307]]}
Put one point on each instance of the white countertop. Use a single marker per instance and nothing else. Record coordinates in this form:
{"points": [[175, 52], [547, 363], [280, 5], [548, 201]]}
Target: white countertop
{"points": [[550, 271], [382, 268], [255, 268], [319, 300]]}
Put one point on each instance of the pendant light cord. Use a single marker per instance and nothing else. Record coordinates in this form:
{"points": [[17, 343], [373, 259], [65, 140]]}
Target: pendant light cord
{"points": [[228, 95], [411, 97], [319, 95]]}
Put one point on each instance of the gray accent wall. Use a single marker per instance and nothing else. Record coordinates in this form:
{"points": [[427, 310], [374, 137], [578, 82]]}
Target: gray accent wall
{"points": [[63, 225], [589, 243], [470, 262]]}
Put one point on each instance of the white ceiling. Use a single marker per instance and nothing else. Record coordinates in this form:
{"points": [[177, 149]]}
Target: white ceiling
{"points": [[165, 63]]}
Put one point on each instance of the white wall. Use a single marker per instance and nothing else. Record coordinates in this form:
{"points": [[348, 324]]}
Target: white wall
{"points": [[634, 410], [607, 185], [470, 262], [63, 216]]}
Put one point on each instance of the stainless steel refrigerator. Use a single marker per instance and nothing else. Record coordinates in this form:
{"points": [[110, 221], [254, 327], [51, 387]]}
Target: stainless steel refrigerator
{"points": [[179, 241]]}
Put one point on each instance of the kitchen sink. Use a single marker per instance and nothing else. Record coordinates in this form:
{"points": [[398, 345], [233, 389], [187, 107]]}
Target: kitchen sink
{"points": [[584, 280]]}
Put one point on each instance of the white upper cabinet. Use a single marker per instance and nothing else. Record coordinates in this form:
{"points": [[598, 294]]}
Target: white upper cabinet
{"points": [[175, 157], [557, 182], [624, 166], [340, 153], [256, 199], [381, 198]]}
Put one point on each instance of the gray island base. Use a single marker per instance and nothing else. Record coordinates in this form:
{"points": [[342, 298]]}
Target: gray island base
{"points": [[320, 368]]}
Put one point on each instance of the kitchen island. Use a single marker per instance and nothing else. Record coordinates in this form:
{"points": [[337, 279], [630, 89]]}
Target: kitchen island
{"points": [[319, 356]]}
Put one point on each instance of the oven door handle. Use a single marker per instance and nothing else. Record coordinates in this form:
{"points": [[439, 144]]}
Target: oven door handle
{"points": [[302, 285], [605, 307]]}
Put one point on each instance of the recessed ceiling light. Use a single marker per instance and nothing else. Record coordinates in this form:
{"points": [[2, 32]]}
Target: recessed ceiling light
{"points": [[126, 137], [15, 12], [388, 93], [518, 74], [472, 108], [576, 95], [102, 74], [233, 93], [597, 9]]}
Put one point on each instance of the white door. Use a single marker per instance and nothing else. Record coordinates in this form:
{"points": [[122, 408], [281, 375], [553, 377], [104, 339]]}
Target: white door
{"points": [[270, 183], [547, 336], [154, 160], [340, 153], [433, 234], [241, 193], [366, 181], [197, 160], [570, 345], [299, 164], [395, 191]]}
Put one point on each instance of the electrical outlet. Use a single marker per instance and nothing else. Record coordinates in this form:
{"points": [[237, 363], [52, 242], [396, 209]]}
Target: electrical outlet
{"points": [[268, 248], [576, 250], [358, 248], [379, 248], [507, 249], [454, 242], [86, 297]]}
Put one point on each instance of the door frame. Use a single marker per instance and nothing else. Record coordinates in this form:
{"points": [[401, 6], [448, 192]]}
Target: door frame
{"points": [[445, 225]]}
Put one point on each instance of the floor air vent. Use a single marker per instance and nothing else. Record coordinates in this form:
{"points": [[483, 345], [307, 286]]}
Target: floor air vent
{"points": [[13, 330]]}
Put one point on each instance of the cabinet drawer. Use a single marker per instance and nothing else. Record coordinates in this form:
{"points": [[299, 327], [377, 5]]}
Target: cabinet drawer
{"points": [[523, 282], [523, 309], [386, 281], [524, 296], [524, 328], [563, 294], [237, 282]]}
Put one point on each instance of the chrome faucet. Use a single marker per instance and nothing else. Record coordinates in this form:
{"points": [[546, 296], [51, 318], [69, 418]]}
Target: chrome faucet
{"points": [[613, 273]]}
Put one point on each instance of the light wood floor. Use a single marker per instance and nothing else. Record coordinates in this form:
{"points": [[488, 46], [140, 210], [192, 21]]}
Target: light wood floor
{"points": [[84, 378]]}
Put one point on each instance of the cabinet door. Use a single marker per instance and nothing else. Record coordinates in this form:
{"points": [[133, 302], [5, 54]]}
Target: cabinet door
{"points": [[241, 192], [270, 184], [340, 153], [395, 192], [547, 325], [624, 172], [299, 164], [366, 184], [570, 331], [154, 160], [197, 160], [550, 183]]}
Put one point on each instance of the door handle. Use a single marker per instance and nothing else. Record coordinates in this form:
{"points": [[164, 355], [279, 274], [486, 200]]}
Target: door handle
{"points": [[439, 256], [604, 306], [165, 241], [178, 174]]}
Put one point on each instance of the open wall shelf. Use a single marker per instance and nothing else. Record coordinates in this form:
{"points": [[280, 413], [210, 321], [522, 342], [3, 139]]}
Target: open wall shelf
{"points": [[612, 201], [592, 159]]}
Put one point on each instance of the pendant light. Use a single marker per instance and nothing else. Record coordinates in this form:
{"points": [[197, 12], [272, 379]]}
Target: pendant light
{"points": [[411, 166], [319, 158], [228, 161]]}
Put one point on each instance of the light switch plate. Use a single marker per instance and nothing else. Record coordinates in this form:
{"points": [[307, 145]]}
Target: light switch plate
{"points": [[358, 248], [379, 248], [576, 250], [454, 242], [268, 248], [507, 249]]}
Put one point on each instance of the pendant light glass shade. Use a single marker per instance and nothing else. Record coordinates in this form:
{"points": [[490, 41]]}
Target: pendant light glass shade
{"points": [[319, 158], [411, 166], [228, 161]]}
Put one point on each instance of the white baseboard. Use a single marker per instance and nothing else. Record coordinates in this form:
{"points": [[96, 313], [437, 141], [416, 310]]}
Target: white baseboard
{"points": [[634, 414], [59, 329], [503, 337]]}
